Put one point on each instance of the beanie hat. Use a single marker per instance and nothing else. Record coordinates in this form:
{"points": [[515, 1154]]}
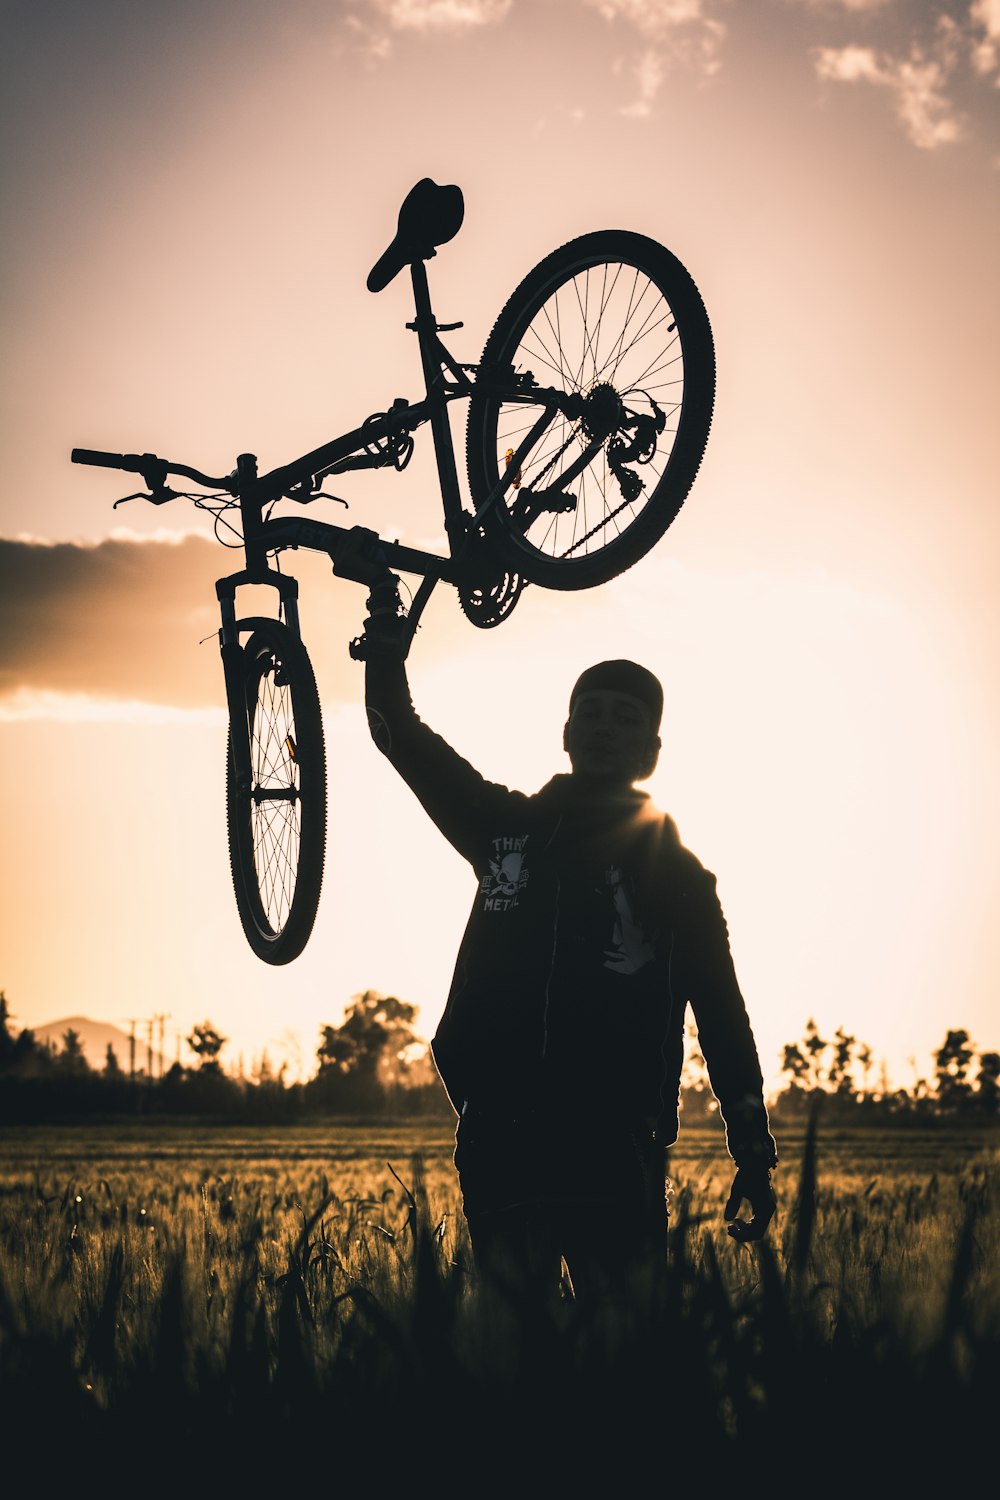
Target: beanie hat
{"points": [[623, 677]]}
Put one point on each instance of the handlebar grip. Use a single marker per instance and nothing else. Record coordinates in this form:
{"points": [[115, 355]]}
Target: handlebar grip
{"points": [[134, 463], [92, 456]]}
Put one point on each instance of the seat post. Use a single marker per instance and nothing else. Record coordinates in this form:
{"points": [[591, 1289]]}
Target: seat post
{"points": [[425, 319], [425, 325]]}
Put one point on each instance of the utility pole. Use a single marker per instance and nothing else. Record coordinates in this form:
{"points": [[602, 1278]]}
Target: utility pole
{"points": [[131, 1047], [159, 1019]]}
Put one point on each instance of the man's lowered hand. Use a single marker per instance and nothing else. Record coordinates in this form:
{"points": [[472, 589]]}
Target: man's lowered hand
{"points": [[751, 1185]]}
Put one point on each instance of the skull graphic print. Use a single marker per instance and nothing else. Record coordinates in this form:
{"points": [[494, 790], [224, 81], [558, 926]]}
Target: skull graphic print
{"points": [[507, 876]]}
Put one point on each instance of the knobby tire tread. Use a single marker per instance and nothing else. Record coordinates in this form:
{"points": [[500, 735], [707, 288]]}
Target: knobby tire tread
{"points": [[661, 507], [283, 945]]}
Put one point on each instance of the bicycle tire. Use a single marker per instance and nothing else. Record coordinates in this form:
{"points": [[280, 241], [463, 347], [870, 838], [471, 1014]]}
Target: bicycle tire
{"points": [[616, 314], [277, 843]]}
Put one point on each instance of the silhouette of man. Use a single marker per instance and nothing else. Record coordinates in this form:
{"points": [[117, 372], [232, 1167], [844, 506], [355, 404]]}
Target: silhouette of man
{"points": [[592, 930]]}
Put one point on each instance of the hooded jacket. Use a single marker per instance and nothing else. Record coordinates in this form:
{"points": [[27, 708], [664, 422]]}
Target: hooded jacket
{"points": [[592, 930]]}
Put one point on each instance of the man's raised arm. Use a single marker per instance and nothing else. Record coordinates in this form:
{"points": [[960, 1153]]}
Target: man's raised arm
{"points": [[451, 791]]}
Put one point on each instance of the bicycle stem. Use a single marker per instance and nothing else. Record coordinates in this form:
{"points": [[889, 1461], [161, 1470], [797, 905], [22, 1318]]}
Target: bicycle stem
{"points": [[249, 496]]}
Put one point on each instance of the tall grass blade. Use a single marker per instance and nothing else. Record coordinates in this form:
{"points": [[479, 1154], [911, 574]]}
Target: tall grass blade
{"points": [[805, 1207]]}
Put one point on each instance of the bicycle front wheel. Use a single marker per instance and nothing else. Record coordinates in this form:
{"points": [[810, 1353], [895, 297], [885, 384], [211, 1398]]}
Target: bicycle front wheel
{"points": [[277, 814], [614, 319]]}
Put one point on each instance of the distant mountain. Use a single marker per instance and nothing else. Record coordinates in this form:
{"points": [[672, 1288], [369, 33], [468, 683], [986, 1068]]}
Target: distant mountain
{"points": [[95, 1037]]}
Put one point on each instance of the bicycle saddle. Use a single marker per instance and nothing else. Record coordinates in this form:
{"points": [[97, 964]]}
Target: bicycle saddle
{"points": [[430, 216]]}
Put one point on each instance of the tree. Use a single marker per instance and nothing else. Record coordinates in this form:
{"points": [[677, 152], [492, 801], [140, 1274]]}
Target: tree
{"points": [[30, 1056], [697, 1100], [839, 1074], [72, 1058], [795, 1065], [801, 1062], [22, 1054], [112, 1067], [367, 1053], [988, 1083], [263, 1073], [815, 1046], [206, 1043], [952, 1062], [7, 1043]]}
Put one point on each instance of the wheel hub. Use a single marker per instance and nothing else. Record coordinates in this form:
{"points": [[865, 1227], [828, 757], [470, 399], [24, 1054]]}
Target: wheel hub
{"points": [[602, 412]]}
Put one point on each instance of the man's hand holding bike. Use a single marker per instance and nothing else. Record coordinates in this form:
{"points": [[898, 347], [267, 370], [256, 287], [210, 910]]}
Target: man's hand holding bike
{"points": [[386, 632]]}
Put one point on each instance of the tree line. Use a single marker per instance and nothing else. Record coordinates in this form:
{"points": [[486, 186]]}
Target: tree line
{"points": [[374, 1063], [840, 1072]]}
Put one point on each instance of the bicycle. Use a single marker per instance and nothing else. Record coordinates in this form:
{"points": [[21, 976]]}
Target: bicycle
{"points": [[616, 327]]}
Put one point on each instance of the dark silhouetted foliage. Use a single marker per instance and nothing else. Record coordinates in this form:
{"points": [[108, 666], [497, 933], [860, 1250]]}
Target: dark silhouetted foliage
{"points": [[374, 1064]]}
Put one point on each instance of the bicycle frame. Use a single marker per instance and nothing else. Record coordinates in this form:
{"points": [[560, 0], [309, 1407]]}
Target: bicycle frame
{"points": [[600, 420], [255, 492], [354, 545], [357, 552]]}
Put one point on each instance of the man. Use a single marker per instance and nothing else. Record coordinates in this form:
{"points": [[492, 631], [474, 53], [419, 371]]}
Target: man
{"points": [[562, 1041]]}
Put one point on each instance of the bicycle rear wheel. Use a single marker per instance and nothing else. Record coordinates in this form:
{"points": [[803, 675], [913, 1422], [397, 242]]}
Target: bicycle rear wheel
{"points": [[615, 319], [277, 818]]}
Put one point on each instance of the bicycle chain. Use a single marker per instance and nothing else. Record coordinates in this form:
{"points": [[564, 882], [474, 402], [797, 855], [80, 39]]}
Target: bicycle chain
{"points": [[594, 529], [629, 500], [555, 457]]}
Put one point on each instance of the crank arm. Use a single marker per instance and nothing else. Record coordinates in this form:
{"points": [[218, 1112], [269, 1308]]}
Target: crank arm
{"points": [[528, 506]]}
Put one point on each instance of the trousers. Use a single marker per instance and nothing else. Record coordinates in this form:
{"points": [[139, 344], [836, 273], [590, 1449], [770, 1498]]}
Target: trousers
{"points": [[540, 1189]]}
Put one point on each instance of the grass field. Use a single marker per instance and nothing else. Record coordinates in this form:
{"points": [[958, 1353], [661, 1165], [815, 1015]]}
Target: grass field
{"points": [[301, 1302]]}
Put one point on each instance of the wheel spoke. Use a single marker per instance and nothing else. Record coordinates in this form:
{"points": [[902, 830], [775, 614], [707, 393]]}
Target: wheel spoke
{"points": [[612, 319], [275, 824], [575, 350], [587, 343]]}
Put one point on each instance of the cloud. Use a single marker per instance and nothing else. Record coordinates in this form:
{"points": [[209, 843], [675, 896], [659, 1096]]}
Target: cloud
{"points": [[649, 75], [673, 31], [916, 82], [107, 630], [855, 7], [119, 620], [847, 64], [372, 30], [375, 44], [952, 50], [442, 15], [81, 708], [984, 27]]}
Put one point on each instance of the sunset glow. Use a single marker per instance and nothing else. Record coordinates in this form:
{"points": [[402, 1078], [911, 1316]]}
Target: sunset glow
{"points": [[195, 199]]}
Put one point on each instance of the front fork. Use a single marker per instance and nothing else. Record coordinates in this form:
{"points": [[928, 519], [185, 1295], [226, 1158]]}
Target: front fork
{"points": [[233, 660]]}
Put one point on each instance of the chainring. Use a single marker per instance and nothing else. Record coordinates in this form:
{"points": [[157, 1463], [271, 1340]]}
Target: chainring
{"points": [[488, 591]]}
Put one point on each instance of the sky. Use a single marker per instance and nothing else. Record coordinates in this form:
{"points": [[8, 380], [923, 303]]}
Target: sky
{"points": [[193, 196]]}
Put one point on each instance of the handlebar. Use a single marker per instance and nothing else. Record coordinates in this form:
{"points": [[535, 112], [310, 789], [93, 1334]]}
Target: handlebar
{"points": [[154, 470]]}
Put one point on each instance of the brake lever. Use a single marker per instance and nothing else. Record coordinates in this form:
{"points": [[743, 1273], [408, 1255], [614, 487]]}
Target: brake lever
{"points": [[304, 496], [155, 497]]}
